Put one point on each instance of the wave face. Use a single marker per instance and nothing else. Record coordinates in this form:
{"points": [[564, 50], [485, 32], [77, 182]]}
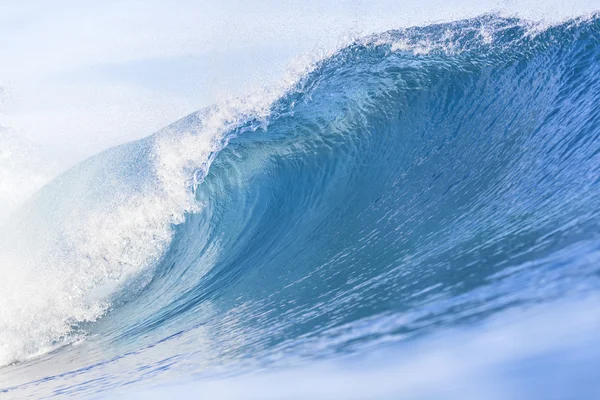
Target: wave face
{"points": [[415, 181]]}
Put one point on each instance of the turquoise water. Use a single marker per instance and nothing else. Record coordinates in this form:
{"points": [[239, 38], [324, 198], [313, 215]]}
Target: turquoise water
{"points": [[420, 211]]}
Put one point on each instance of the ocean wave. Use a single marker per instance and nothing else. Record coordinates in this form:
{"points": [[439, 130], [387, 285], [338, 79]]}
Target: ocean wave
{"points": [[416, 179]]}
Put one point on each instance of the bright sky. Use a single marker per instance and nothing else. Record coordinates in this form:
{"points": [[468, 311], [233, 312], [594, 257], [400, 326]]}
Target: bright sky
{"points": [[78, 77]]}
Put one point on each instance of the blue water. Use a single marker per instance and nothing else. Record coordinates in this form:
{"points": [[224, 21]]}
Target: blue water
{"points": [[420, 210]]}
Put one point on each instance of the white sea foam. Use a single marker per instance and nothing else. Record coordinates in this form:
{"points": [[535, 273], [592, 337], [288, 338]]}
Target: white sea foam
{"points": [[73, 245]]}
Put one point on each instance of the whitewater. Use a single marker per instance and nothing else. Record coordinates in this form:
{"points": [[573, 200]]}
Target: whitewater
{"points": [[415, 215]]}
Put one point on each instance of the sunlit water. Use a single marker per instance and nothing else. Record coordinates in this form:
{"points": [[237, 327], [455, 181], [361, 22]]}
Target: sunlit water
{"points": [[417, 216]]}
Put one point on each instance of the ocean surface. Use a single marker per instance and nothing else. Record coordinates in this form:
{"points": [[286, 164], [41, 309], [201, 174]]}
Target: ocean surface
{"points": [[416, 215]]}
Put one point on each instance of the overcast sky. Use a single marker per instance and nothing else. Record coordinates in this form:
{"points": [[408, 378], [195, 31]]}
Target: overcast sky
{"points": [[79, 77]]}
